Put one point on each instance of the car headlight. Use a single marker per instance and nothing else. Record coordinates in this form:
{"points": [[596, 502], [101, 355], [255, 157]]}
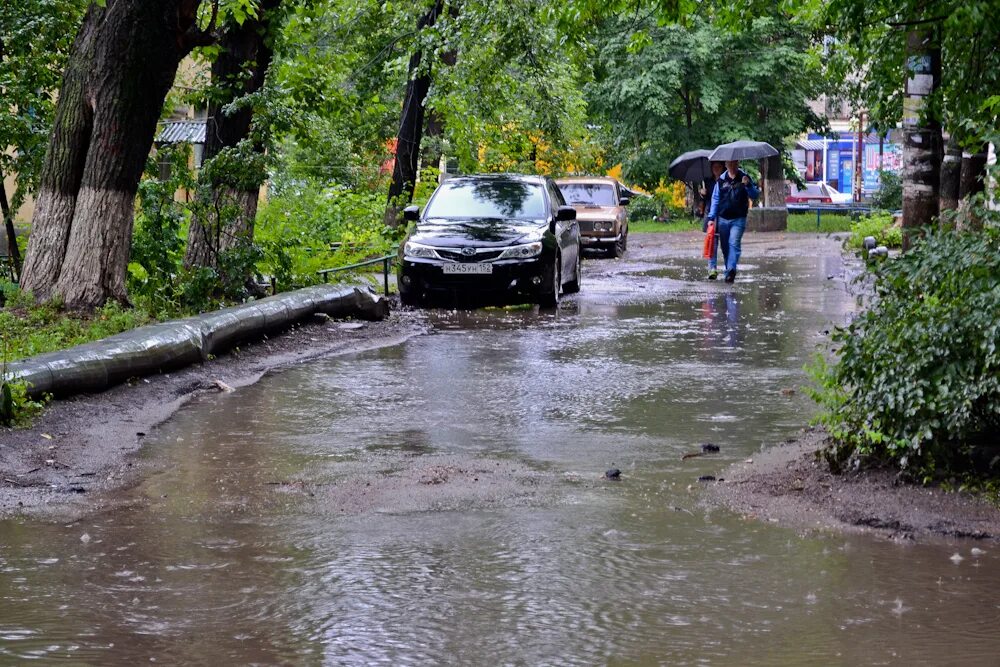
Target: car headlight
{"points": [[522, 251], [411, 249]]}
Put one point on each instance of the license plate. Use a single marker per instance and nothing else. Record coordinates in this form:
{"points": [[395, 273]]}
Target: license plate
{"points": [[468, 269]]}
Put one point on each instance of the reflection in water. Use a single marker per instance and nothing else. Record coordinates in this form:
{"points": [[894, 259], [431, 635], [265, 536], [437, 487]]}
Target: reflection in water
{"points": [[440, 501]]}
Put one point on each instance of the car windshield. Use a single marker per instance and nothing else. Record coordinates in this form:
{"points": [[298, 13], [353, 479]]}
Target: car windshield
{"points": [[493, 198], [596, 194]]}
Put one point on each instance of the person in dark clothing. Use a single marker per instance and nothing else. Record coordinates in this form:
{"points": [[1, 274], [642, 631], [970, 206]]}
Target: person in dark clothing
{"points": [[730, 204], [707, 188]]}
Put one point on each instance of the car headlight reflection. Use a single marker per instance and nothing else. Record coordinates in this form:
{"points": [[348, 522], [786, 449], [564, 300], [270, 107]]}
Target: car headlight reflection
{"points": [[411, 249], [522, 251]]}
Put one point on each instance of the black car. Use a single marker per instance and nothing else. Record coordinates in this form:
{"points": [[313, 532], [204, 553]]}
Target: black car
{"points": [[491, 236]]}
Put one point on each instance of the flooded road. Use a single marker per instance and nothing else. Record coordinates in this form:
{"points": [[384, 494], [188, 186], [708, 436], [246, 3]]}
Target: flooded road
{"points": [[442, 501]]}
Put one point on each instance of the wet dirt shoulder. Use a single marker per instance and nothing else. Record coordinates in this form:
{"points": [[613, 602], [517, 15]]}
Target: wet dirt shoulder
{"points": [[83, 447], [788, 484]]}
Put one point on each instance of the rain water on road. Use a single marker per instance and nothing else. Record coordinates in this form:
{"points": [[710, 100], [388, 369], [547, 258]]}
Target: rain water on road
{"points": [[442, 501]]}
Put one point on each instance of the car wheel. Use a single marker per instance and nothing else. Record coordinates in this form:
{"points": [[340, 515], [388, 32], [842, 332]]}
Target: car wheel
{"points": [[548, 295], [573, 286], [409, 299]]}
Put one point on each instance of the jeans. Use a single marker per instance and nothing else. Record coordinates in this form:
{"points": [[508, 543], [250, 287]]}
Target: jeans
{"points": [[730, 233]]}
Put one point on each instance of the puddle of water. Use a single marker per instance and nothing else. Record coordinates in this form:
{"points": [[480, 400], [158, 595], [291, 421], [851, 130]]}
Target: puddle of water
{"points": [[441, 501]]}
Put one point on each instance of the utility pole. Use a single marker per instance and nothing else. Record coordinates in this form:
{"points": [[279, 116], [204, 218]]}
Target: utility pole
{"points": [[858, 162]]}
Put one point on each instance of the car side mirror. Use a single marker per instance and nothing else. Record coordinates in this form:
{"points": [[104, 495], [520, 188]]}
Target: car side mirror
{"points": [[624, 201], [411, 213], [566, 213]]}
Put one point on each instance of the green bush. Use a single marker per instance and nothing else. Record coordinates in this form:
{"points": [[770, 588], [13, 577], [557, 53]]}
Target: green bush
{"points": [[916, 379], [297, 226], [889, 196], [644, 208], [881, 226]]}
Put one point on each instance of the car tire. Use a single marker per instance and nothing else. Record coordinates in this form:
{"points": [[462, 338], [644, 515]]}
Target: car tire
{"points": [[573, 286], [614, 252], [409, 299], [548, 294], [618, 249]]}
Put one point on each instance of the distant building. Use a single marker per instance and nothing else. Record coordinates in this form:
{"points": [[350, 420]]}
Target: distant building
{"points": [[833, 159]]}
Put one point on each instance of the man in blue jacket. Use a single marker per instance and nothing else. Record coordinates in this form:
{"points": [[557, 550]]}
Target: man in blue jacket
{"points": [[730, 203]]}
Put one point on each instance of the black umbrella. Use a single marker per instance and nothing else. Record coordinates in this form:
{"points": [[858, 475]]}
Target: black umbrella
{"points": [[691, 167], [743, 150]]}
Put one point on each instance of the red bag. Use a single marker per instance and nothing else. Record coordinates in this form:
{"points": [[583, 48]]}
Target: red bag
{"points": [[709, 241]]}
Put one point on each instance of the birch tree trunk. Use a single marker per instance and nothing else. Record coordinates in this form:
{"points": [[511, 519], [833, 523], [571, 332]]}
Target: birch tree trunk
{"points": [[121, 66]]}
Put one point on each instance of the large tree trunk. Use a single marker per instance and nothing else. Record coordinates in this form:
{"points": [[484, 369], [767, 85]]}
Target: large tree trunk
{"points": [[411, 126], [921, 134], [122, 64], [239, 70], [773, 182], [951, 168]]}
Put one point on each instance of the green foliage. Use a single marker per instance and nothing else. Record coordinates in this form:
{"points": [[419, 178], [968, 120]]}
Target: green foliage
{"points": [[30, 329], [881, 226], [916, 379], [871, 38], [157, 239], [680, 88], [17, 409], [829, 222], [298, 224], [889, 196], [35, 39], [645, 208], [679, 224]]}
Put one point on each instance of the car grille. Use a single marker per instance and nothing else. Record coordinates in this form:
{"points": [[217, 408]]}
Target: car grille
{"points": [[482, 255]]}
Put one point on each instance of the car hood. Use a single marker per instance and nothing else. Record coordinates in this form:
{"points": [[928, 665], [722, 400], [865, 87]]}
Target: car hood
{"points": [[481, 232], [588, 213]]}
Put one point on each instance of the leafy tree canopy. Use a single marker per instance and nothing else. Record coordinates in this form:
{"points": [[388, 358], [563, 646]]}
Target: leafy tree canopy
{"points": [[35, 37], [660, 90]]}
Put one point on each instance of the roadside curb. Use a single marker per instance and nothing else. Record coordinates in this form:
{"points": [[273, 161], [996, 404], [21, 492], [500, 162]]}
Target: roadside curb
{"points": [[170, 345]]}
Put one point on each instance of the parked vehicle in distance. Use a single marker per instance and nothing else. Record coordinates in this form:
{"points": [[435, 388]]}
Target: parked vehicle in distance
{"points": [[491, 236], [600, 211], [814, 193]]}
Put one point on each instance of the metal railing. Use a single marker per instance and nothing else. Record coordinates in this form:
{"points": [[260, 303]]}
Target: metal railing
{"points": [[385, 260]]}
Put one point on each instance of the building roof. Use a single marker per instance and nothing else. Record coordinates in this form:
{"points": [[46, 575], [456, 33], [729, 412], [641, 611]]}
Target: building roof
{"points": [[181, 132], [815, 144]]}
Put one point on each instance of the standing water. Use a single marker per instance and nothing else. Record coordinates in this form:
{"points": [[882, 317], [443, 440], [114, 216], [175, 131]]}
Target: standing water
{"points": [[442, 501]]}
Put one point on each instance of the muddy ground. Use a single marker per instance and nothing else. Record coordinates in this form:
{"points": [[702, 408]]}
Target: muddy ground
{"points": [[84, 448], [788, 484]]}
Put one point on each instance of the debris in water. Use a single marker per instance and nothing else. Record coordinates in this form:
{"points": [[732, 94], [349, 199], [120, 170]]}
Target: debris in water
{"points": [[707, 478], [613, 473], [976, 551], [85, 538], [709, 448], [46, 436], [787, 392], [956, 558], [223, 387]]}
